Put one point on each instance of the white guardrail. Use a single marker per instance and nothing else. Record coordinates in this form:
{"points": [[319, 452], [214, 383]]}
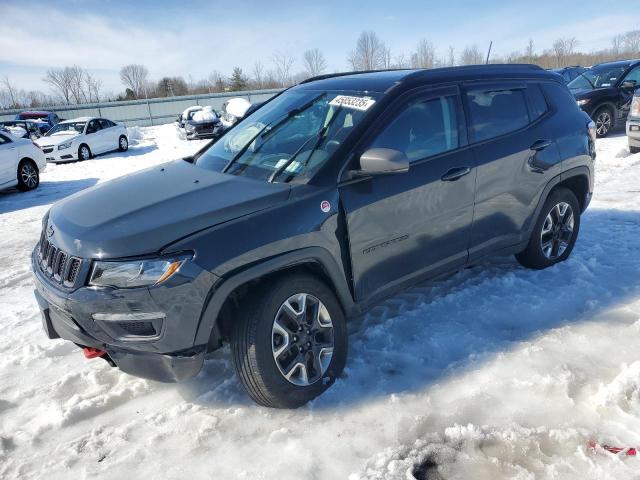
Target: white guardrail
{"points": [[154, 111]]}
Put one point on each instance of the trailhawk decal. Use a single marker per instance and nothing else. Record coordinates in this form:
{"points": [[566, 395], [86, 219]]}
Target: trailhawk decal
{"points": [[356, 103]]}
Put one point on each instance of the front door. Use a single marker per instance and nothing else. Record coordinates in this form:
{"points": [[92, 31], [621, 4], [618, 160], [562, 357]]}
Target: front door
{"points": [[406, 226], [8, 164]]}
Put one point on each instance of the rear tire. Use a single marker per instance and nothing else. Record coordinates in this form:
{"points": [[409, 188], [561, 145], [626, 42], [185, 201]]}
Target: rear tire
{"points": [[554, 234], [84, 152], [28, 175], [269, 338], [633, 149], [603, 117]]}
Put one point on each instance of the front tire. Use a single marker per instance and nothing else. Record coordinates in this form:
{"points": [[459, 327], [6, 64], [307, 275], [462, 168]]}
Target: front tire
{"points": [[28, 176], [604, 121], [554, 234], [84, 152], [123, 143], [633, 149], [290, 342]]}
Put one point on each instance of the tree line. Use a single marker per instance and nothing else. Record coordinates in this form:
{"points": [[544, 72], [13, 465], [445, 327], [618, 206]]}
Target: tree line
{"points": [[75, 85]]}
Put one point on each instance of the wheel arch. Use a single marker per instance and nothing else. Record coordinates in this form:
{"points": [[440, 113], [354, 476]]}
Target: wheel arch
{"points": [[226, 294]]}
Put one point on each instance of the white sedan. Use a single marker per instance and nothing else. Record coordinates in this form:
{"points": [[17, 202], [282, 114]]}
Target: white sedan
{"points": [[82, 138], [21, 162]]}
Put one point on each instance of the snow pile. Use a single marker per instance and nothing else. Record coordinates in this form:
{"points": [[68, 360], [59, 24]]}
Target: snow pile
{"points": [[16, 131], [237, 107], [495, 372], [135, 134], [205, 115]]}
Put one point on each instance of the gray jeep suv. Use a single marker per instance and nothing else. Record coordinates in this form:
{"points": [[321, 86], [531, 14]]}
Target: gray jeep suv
{"points": [[333, 195]]}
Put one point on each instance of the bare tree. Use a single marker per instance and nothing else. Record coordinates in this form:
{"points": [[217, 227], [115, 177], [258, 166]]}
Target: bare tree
{"points": [[134, 76], [92, 87], [60, 82], [471, 56], [530, 51], [632, 42], [452, 57], [283, 63], [10, 93], [402, 61], [258, 74], [76, 76], [424, 56], [314, 62], [370, 52], [563, 50]]}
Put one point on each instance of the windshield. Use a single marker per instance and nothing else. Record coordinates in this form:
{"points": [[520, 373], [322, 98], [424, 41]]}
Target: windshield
{"points": [[70, 128], [290, 137], [597, 77]]}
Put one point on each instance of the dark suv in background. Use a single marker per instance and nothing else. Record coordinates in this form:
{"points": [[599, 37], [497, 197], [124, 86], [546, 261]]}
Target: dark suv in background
{"points": [[333, 195], [569, 73], [605, 91]]}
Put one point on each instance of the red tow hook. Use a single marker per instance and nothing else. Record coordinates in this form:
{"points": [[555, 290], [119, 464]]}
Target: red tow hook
{"points": [[629, 451], [93, 352]]}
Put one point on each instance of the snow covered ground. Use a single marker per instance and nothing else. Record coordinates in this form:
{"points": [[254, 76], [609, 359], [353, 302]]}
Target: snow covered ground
{"points": [[496, 372]]}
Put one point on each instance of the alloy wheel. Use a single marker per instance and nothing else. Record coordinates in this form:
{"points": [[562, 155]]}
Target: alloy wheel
{"points": [[123, 143], [557, 231], [84, 153], [302, 339], [29, 175], [603, 123]]}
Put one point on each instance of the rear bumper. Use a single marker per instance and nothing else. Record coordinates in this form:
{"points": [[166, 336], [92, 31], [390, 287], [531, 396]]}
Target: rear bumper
{"points": [[633, 131]]}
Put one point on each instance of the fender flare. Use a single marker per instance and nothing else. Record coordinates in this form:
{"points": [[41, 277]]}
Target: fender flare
{"points": [[225, 285], [574, 172]]}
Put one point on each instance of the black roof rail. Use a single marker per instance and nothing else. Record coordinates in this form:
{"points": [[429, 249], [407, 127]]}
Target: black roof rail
{"points": [[355, 72], [422, 70]]}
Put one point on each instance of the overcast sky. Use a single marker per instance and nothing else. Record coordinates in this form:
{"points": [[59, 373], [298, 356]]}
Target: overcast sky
{"points": [[197, 37]]}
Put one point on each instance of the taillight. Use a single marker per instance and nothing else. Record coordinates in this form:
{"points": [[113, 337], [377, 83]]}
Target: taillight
{"points": [[591, 127], [635, 106]]}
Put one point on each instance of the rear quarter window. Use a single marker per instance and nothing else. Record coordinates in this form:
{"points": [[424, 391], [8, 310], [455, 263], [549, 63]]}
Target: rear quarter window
{"points": [[496, 112], [537, 103]]}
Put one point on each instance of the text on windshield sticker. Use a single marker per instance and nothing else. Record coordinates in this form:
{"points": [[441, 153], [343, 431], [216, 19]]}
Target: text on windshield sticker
{"points": [[357, 103]]}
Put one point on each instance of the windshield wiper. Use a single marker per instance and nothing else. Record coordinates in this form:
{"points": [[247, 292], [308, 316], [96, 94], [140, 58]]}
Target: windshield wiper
{"points": [[271, 127], [319, 137]]}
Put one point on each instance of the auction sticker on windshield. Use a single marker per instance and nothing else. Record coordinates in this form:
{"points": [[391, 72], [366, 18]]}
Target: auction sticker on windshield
{"points": [[357, 103]]}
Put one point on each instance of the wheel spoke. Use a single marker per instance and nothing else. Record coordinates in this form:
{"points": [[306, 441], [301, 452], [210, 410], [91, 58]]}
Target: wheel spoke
{"points": [[284, 335]]}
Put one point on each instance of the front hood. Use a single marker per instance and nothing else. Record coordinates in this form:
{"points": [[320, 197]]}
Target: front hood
{"points": [[143, 212], [583, 93], [57, 139]]}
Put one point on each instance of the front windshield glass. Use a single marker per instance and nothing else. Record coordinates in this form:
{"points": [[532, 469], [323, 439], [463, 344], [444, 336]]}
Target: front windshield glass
{"points": [[70, 128], [290, 137], [597, 77]]}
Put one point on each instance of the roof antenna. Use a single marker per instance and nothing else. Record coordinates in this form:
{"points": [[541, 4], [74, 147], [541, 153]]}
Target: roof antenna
{"points": [[489, 52]]}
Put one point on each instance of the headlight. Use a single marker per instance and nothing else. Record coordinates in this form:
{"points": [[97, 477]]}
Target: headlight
{"points": [[582, 102], [635, 106], [135, 273], [189, 127], [62, 146]]}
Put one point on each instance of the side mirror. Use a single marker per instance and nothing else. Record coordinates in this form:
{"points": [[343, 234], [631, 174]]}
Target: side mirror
{"points": [[383, 161], [629, 85]]}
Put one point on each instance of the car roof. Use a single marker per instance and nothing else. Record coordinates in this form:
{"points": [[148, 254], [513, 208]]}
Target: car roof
{"points": [[382, 80], [35, 112], [79, 119], [617, 63]]}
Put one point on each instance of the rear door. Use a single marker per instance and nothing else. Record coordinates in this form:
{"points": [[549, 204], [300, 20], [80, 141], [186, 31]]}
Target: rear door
{"points": [[95, 137], [406, 226], [516, 156], [110, 134]]}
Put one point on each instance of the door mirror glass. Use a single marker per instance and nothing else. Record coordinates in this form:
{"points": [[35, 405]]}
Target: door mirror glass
{"points": [[382, 161]]}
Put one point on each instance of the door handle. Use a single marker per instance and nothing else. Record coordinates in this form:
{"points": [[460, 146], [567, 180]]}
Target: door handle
{"points": [[455, 174], [540, 145]]}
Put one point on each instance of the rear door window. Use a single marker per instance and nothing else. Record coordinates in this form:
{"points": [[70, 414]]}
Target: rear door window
{"points": [[496, 111], [425, 127]]}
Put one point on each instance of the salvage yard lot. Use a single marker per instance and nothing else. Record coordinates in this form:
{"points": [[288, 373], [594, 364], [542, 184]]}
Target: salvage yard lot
{"points": [[497, 371]]}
